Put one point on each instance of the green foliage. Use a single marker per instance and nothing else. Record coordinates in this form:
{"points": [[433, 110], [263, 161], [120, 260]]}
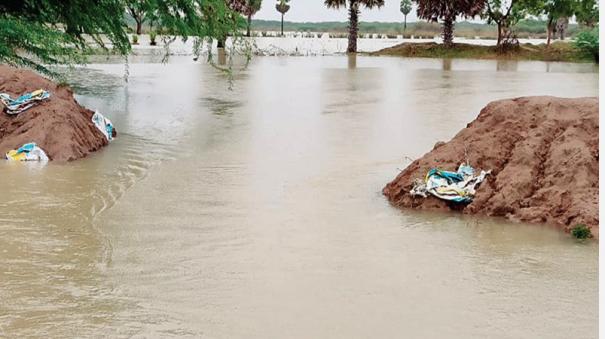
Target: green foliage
{"points": [[282, 6], [36, 33], [446, 11], [587, 12], [531, 26], [581, 231], [524, 28], [135, 39], [555, 9], [138, 10], [509, 12], [405, 7], [588, 43], [435, 10], [152, 35], [44, 44]]}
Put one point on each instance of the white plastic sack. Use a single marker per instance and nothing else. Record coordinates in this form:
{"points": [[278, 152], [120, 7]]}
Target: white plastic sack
{"points": [[103, 124]]}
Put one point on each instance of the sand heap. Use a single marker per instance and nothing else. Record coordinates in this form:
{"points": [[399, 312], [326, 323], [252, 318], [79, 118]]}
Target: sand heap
{"points": [[544, 157], [59, 125]]}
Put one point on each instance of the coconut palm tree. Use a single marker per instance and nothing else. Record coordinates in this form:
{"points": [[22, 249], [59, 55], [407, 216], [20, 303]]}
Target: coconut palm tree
{"points": [[353, 16], [447, 11], [282, 7], [405, 8]]}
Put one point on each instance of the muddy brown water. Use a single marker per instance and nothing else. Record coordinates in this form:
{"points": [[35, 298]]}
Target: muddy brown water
{"points": [[257, 212]]}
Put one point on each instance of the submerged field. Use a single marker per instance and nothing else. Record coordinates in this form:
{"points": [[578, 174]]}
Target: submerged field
{"points": [[258, 212]]}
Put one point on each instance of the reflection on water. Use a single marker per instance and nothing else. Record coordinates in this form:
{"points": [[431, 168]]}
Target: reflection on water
{"points": [[352, 60], [257, 212], [507, 65]]}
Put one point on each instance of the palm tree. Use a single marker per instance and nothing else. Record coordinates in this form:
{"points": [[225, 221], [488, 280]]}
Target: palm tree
{"points": [[447, 11], [245, 7], [353, 16], [252, 6], [282, 7], [405, 8]]}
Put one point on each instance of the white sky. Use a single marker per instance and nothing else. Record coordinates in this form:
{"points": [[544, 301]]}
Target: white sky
{"points": [[315, 10]]}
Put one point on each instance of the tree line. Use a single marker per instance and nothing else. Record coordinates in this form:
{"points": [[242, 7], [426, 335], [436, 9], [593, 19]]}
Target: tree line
{"points": [[505, 14], [35, 33]]}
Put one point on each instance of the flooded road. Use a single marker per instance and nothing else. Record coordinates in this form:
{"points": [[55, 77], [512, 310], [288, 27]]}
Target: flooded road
{"points": [[257, 212]]}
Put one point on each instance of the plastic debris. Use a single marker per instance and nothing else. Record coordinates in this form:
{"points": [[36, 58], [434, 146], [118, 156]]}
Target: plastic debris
{"points": [[24, 102], [104, 125], [453, 186], [27, 152]]}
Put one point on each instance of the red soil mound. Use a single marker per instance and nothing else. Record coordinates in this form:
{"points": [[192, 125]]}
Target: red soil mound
{"points": [[59, 125], [544, 157]]}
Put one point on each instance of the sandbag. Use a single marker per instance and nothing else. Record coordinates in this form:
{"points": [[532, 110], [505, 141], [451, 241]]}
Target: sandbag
{"points": [[456, 186], [24, 102], [27, 152], [104, 125]]}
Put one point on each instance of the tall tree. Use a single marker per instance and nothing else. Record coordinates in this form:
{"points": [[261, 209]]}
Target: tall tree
{"points": [[137, 10], [249, 8], [587, 12], [447, 11], [237, 8], [353, 16], [554, 11], [283, 7], [405, 8], [507, 13]]}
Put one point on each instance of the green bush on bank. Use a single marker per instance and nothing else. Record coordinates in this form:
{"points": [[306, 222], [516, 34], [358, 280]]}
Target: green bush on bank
{"points": [[588, 43]]}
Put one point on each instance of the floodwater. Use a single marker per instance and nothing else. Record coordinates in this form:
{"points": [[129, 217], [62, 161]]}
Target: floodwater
{"points": [[257, 212], [296, 44]]}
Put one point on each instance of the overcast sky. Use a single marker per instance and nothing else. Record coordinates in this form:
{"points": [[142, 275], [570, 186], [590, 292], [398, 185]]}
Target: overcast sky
{"points": [[315, 10]]}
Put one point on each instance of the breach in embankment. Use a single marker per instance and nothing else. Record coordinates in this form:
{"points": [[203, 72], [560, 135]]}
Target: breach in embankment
{"points": [[58, 125], [543, 153]]}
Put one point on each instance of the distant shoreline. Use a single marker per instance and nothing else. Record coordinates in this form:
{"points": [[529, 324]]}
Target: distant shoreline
{"points": [[557, 51], [525, 29]]}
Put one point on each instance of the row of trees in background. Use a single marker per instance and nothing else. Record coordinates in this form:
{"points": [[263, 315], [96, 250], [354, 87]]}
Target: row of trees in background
{"points": [[505, 14], [37, 32], [141, 12]]}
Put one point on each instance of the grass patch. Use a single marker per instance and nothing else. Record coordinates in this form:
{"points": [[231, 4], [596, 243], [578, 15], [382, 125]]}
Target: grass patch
{"points": [[557, 51], [581, 231]]}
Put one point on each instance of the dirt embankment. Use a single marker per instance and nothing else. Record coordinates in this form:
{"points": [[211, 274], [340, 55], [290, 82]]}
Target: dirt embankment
{"points": [[59, 125], [544, 157], [557, 51]]}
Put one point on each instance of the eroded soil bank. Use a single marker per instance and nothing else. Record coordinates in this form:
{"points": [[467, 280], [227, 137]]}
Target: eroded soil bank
{"points": [[544, 157], [59, 125], [557, 51]]}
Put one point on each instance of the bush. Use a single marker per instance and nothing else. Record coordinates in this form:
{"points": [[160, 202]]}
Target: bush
{"points": [[580, 231], [135, 39], [588, 43], [152, 36]]}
